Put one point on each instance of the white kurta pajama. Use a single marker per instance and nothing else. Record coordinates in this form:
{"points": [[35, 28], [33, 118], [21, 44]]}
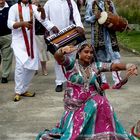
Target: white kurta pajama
{"points": [[59, 14], [25, 65]]}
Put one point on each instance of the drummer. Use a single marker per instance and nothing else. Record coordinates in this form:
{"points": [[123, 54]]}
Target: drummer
{"points": [[104, 39]]}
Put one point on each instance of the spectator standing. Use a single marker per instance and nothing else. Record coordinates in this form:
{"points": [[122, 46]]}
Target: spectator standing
{"points": [[104, 39], [62, 13], [21, 20], [5, 42], [39, 32]]}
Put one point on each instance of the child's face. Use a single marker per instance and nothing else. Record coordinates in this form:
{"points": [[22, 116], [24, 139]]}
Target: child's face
{"points": [[86, 54]]}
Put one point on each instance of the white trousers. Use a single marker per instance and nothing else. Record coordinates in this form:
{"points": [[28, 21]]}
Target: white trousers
{"points": [[60, 78], [23, 77], [115, 74]]}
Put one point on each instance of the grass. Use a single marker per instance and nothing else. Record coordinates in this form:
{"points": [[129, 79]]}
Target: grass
{"points": [[129, 9], [130, 40]]}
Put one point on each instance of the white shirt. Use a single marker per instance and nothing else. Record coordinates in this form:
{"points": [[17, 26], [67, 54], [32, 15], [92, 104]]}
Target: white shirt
{"points": [[58, 12], [18, 43]]}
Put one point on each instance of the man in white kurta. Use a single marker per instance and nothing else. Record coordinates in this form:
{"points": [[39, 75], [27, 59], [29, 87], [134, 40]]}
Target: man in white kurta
{"points": [[58, 13], [25, 65]]}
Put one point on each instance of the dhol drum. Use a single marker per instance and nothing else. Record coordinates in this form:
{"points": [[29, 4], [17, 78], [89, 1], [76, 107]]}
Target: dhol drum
{"points": [[113, 22]]}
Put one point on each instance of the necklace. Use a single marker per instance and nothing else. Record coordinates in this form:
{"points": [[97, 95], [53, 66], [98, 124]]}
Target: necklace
{"points": [[86, 73]]}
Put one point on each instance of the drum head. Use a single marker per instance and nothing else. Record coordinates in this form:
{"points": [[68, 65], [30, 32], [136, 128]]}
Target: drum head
{"points": [[103, 17]]}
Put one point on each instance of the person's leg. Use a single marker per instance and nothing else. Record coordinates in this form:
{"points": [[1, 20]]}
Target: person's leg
{"points": [[44, 57], [103, 77], [116, 76], [44, 68], [27, 77], [0, 58], [19, 71], [23, 78], [60, 78], [42, 53], [7, 57], [104, 82]]}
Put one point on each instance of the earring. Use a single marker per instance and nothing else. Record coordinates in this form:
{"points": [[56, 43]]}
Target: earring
{"points": [[79, 56]]}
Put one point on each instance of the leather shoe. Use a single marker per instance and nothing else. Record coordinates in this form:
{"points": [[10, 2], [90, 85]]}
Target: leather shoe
{"points": [[4, 80], [59, 88]]}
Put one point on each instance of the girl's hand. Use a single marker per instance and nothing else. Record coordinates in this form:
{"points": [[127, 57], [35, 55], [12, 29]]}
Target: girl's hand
{"points": [[131, 70], [68, 49]]}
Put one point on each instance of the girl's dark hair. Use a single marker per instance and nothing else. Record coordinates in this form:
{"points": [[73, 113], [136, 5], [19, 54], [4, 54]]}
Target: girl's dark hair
{"points": [[83, 46], [30, 1]]}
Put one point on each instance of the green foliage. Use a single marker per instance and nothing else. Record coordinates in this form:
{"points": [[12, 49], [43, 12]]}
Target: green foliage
{"points": [[129, 9], [130, 40]]}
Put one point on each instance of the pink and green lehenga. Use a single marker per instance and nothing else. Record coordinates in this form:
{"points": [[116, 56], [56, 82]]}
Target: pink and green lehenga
{"points": [[87, 115]]}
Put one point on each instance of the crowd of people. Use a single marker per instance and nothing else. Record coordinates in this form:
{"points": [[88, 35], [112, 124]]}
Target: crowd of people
{"points": [[24, 25]]}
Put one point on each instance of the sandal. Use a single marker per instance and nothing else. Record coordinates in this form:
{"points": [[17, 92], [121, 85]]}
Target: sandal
{"points": [[28, 94], [17, 98]]}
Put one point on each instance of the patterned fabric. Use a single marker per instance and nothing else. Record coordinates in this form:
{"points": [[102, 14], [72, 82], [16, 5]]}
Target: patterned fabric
{"points": [[87, 114], [99, 29], [103, 38]]}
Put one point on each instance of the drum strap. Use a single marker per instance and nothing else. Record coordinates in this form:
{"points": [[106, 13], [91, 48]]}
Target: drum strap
{"points": [[29, 48], [71, 11]]}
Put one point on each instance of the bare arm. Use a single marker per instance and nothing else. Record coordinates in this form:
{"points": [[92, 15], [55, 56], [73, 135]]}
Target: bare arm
{"points": [[118, 67], [59, 54], [131, 68], [41, 9]]}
